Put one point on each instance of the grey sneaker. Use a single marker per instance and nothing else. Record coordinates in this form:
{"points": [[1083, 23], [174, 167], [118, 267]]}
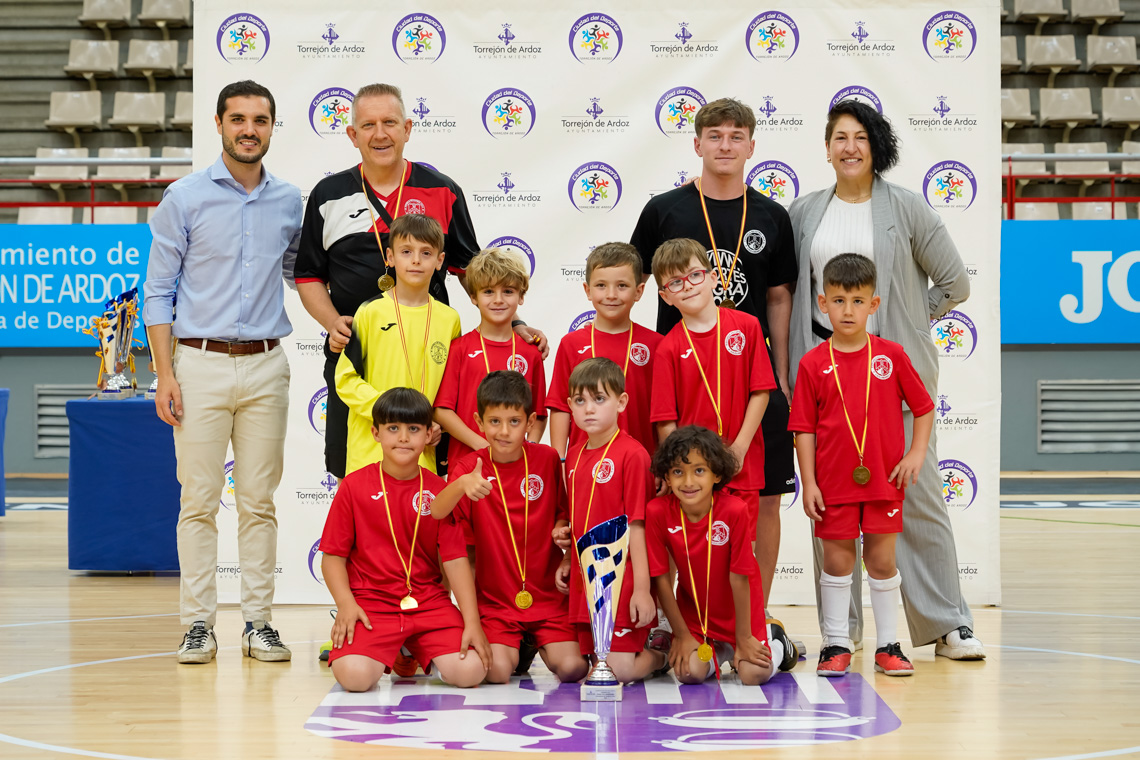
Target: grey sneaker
{"points": [[198, 644], [263, 643]]}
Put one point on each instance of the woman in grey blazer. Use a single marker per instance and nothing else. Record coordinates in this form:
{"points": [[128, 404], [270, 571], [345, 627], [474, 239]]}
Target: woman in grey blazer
{"points": [[920, 277]]}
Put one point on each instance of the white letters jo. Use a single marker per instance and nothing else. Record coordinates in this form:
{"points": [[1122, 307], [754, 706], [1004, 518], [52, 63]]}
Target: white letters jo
{"points": [[1092, 285]]}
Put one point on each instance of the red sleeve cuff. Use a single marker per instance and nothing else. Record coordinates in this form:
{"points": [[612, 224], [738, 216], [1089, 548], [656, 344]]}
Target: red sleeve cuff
{"points": [[310, 279]]}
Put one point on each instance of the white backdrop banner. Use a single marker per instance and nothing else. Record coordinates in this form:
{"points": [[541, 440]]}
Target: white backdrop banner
{"points": [[559, 125]]}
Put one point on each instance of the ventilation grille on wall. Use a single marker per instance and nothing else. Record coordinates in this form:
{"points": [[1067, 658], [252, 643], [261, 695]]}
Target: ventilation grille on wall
{"points": [[1088, 416], [52, 436]]}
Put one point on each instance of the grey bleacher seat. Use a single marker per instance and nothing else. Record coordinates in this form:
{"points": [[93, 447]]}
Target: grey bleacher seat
{"points": [[1039, 11], [1097, 12], [139, 112], [1023, 167], [1015, 110], [63, 174], [1068, 106], [1114, 55], [130, 173], [1053, 53], [152, 58], [1034, 212], [116, 215], [183, 111], [188, 66], [1081, 167], [44, 215], [73, 111], [175, 172], [1120, 106], [165, 14], [104, 14], [93, 58], [1130, 167], [1009, 59], [1100, 209]]}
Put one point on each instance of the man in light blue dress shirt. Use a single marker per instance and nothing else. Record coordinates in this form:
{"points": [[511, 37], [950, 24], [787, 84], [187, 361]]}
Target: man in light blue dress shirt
{"points": [[223, 240]]}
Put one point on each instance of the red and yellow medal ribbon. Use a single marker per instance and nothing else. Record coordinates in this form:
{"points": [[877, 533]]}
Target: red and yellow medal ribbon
{"points": [[521, 562], [860, 445], [593, 481], [715, 399], [712, 238], [392, 528], [486, 362], [628, 349], [404, 342], [703, 620]]}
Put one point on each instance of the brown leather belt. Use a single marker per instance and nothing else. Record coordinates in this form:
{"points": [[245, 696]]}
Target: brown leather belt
{"points": [[244, 348]]}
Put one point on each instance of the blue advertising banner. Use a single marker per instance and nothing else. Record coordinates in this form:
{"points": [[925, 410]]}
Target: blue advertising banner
{"points": [[1070, 282], [54, 279]]}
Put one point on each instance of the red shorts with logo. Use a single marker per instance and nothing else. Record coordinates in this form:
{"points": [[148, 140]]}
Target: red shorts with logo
{"points": [[426, 633], [751, 499], [843, 521], [624, 639], [509, 633]]}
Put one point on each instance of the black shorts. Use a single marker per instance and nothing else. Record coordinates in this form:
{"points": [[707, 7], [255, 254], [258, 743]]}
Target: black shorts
{"points": [[779, 451], [336, 421]]}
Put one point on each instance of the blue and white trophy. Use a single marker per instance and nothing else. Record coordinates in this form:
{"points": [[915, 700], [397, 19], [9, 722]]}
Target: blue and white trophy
{"points": [[602, 554], [114, 330]]}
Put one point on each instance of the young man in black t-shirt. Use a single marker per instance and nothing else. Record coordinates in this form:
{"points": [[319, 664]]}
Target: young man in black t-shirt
{"points": [[754, 255]]}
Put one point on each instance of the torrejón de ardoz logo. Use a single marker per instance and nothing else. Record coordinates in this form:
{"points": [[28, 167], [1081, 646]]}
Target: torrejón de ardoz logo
{"points": [[434, 116], [861, 42], [950, 416], [506, 193], [773, 116], [685, 44], [942, 117], [511, 43], [331, 45], [772, 36], [596, 118]]}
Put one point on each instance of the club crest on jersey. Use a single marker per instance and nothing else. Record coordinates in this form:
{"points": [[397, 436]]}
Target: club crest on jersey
{"points": [[754, 241], [734, 342], [882, 366], [719, 533], [518, 364], [604, 471], [421, 502], [438, 352], [414, 206], [639, 354], [534, 487]]}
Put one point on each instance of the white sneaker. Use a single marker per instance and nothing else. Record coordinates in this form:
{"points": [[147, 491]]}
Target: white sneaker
{"points": [[198, 644], [263, 643], [960, 644]]}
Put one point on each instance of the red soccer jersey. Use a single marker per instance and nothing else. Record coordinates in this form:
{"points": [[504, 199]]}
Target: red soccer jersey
{"points": [[731, 553], [357, 528], [816, 408], [624, 485], [496, 565], [467, 366], [679, 392], [575, 349]]}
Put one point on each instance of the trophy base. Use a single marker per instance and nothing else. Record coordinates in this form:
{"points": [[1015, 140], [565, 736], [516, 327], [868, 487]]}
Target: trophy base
{"points": [[601, 692], [116, 395]]}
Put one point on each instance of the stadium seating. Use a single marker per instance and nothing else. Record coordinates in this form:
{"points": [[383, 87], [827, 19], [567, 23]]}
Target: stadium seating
{"points": [[1120, 106], [74, 111], [1033, 212], [1098, 12], [137, 112], [152, 58], [1112, 55], [188, 65], [1081, 167], [1070, 107], [61, 173], [44, 215], [165, 14], [93, 58], [1038, 11], [104, 14], [183, 111], [1009, 59], [175, 172], [1051, 53], [1099, 210], [1023, 167], [1130, 167], [1015, 110], [115, 215]]}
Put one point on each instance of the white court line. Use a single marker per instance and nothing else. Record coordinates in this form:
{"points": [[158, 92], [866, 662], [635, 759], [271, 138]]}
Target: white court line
{"points": [[87, 620], [816, 690], [1106, 753], [1071, 614], [67, 750], [736, 693], [1061, 651], [663, 690]]}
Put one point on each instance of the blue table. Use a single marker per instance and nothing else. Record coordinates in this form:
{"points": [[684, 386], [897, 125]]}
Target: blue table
{"points": [[121, 518], [3, 419]]}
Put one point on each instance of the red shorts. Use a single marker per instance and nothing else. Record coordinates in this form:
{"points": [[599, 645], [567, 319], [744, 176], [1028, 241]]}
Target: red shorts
{"points": [[426, 633], [751, 499], [624, 639], [509, 633], [843, 521]]}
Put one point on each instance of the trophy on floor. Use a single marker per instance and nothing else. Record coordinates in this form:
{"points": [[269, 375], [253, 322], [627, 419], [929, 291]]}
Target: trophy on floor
{"points": [[602, 554], [115, 332]]}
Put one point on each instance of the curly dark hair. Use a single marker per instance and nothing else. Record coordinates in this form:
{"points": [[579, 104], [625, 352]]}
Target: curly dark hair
{"points": [[681, 441], [881, 136]]}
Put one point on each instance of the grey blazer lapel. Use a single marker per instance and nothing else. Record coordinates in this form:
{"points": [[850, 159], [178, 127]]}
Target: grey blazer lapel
{"points": [[883, 222]]}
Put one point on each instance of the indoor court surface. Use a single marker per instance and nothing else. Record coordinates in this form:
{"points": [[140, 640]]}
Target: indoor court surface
{"points": [[89, 670]]}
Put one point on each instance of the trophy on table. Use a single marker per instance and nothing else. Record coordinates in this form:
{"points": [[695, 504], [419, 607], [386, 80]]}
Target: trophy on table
{"points": [[114, 329], [602, 554]]}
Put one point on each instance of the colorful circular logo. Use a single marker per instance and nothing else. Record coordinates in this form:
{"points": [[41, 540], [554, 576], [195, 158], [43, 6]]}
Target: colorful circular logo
{"points": [[419, 37], [315, 556], [595, 37], [775, 180], [594, 186], [229, 490], [330, 112], [582, 320], [959, 485], [949, 185], [677, 109], [796, 493], [954, 335], [534, 487], [243, 37], [949, 36], [772, 36], [859, 94], [318, 406], [508, 113], [516, 245]]}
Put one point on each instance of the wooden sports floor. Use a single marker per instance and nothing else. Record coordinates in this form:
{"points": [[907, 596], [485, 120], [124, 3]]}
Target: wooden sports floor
{"points": [[88, 670]]}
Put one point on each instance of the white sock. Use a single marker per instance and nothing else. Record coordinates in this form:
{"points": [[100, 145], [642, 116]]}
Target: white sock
{"points": [[835, 599], [885, 605], [777, 648]]}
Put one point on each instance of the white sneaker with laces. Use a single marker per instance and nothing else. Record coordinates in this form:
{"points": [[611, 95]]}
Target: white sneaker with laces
{"points": [[960, 644], [198, 644], [263, 643]]}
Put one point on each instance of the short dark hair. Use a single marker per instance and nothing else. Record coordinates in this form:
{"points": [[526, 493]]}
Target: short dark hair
{"points": [[505, 388], [599, 371], [725, 111], [246, 88], [416, 227], [401, 405], [609, 255], [880, 135], [849, 271], [673, 257], [711, 446]]}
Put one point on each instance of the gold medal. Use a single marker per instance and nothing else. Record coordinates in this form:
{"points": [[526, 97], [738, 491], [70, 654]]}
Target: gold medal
{"points": [[728, 303], [523, 600], [409, 603], [704, 652], [861, 475], [386, 283]]}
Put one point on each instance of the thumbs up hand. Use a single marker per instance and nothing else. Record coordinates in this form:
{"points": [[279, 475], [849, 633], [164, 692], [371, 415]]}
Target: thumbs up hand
{"points": [[475, 486]]}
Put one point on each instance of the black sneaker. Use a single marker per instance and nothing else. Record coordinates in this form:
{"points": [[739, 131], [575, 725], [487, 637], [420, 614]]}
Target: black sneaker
{"points": [[834, 661], [527, 652], [791, 653], [198, 644]]}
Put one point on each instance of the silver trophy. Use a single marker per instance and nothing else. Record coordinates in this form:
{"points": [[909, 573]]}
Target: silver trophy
{"points": [[115, 332], [602, 554]]}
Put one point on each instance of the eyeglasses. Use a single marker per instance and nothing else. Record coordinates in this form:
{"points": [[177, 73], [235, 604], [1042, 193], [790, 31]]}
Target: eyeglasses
{"points": [[695, 277]]}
